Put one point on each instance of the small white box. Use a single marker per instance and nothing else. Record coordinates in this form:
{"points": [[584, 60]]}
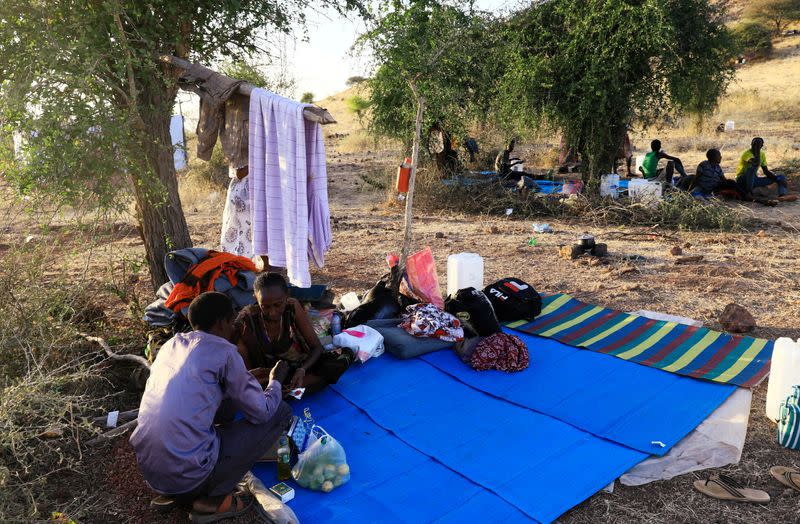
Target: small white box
{"points": [[283, 491]]}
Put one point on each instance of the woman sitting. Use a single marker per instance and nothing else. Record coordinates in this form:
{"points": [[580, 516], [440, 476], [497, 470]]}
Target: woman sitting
{"points": [[277, 328]]}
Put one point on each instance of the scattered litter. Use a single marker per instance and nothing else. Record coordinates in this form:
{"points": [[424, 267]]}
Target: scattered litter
{"points": [[533, 242], [282, 491], [111, 419], [539, 227], [658, 443], [676, 251], [509, 211]]}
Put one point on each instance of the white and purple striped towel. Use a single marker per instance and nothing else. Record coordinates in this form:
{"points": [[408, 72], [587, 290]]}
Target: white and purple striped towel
{"points": [[288, 186]]}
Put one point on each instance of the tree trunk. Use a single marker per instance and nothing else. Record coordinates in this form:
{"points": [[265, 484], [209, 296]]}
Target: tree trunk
{"points": [[158, 204]]}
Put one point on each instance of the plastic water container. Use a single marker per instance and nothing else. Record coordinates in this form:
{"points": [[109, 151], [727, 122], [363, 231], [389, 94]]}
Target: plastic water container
{"points": [[609, 186], [784, 373], [642, 190], [350, 301], [464, 270], [729, 126]]}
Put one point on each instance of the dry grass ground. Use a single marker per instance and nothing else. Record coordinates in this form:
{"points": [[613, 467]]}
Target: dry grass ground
{"points": [[758, 270]]}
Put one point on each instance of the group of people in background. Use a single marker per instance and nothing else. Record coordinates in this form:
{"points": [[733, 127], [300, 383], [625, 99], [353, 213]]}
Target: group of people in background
{"points": [[709, 180]]}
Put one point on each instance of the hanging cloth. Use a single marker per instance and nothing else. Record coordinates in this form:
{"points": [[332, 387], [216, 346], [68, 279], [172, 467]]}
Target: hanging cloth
{"points": [[287, 185]]}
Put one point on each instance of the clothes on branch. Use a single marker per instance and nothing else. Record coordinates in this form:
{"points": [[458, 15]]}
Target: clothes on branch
{"points": [[500, 351], [287, 185], [203, 276], [176, 443], [237, 229], [426, 320], [223, 114]]}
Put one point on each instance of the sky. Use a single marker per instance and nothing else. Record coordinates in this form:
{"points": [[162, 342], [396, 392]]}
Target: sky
{"points": [[323, 63]]}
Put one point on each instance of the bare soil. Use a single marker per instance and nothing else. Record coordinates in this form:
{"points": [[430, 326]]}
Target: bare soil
{"points": [[756, 269]]}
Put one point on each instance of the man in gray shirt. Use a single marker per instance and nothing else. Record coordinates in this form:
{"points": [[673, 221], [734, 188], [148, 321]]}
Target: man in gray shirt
{"points": [[188, 445]]}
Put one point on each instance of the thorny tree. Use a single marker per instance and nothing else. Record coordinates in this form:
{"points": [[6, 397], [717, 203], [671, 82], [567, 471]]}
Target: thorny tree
{"points": [[82, 82]]}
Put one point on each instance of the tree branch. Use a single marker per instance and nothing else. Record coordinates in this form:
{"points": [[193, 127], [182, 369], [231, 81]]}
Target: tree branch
{"points": [[119, 430], [136, 359], [311, 113]]}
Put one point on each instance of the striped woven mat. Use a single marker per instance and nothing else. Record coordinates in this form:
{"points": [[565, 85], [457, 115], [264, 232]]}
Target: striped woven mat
{"points": [[687, 350]]}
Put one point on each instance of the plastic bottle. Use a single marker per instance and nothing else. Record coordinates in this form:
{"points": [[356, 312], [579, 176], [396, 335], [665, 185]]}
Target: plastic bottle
{"points": [[336, 324], [284, 458], [784, 373]]}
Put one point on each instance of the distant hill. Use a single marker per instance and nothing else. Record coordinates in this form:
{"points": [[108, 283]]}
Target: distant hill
{"points": [[346, 121]]}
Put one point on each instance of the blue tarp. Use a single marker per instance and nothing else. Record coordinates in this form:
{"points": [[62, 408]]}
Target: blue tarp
{"points": [[624, 402], [391, 481], [430, 440], [547, 187]]}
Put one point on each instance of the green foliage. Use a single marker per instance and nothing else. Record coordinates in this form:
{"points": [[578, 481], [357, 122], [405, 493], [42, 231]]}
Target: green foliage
{"points": [[358, 105], [307, 98], [249, 72], [82, 81], [779, 14], [447, 51], [589, 69], [753, 38]]}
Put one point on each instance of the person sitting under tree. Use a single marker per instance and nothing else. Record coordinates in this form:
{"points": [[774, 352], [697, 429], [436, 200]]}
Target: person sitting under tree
{"points": [[650, 169], [504, 162], [747, 173], [708, 178], [189, 447], [625, 152], [277, 328]]}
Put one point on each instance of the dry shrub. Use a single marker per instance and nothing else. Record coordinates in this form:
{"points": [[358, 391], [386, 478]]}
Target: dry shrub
{"points": [[356, 142], [58, 401], [677, 210]]}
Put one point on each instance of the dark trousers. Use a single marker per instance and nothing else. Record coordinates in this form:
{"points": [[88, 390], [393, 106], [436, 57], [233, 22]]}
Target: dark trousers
{"points": [[241, 444], [750, 179]]}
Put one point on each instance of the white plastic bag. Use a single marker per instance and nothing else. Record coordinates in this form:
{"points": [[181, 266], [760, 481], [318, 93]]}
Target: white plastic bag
{"points": [[323, 466], [365, 342]]}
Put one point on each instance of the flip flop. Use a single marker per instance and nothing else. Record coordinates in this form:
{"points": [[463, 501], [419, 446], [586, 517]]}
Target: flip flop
{"points": [[789, 477], [723, 487], [232, 512], [163, 504]]}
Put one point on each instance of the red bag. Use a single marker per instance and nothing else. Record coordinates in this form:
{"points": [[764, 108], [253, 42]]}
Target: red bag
{"points": [[420, 281]]}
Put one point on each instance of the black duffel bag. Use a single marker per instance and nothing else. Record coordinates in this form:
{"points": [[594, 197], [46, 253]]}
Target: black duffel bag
{"points": [[513, 299], [475, 312]]}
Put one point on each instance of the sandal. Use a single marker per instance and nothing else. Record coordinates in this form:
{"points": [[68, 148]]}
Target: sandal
{"points": [[163, 504], [789, 477], [723, 487], [226, 510]]}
